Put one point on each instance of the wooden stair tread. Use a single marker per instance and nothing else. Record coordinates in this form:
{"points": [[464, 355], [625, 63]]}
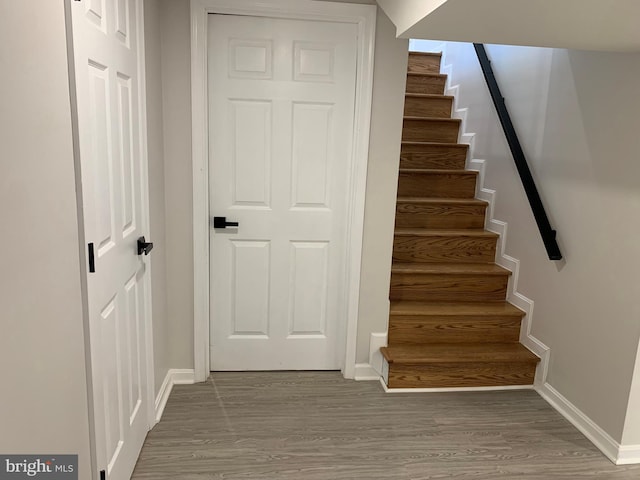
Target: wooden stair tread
{"points": [[429, 95], [435, 144], [450, 268], [426, 54], [428, 232], [405, 307], [432, 119], [438, 171], [459, 353], [426, 74], [439, 201]]}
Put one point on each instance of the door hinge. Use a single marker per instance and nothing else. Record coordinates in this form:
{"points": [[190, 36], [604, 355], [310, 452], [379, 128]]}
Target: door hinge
{"points": [[92, 261], [103, 474]]}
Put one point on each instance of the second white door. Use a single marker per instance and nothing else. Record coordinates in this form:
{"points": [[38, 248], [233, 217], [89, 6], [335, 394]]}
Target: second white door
{"points": [[281, 116]]}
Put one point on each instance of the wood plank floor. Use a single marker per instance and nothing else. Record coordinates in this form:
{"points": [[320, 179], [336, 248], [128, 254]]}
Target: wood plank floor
{"points": [[318, 426]]}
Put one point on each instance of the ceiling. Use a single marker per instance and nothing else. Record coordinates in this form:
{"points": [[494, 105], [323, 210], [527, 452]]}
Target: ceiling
{"points": [[606, 25]]}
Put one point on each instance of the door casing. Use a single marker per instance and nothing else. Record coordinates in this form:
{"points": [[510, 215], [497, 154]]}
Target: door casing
{"points": [[364, 16]]}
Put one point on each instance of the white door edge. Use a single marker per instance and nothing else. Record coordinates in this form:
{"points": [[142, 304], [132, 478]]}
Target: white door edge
{"points": [[93, 459], [365, 17]]}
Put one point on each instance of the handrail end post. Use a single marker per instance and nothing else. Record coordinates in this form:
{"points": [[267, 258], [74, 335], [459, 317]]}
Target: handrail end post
{"points": [[551, 245]]}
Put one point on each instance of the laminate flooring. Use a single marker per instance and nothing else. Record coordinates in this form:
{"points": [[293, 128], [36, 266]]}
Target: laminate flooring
{"points": [[319, 426]]}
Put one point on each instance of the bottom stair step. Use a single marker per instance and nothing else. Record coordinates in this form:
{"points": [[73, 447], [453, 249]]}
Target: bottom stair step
{"points": [[460, 365]]}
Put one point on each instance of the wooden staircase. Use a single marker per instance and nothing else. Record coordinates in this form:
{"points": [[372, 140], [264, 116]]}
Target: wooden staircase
{"points": [[449, 324]]}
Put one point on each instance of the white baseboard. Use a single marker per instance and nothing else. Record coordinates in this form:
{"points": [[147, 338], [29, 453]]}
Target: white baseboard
{"points": [[365, 371], [377, 341], [173, 377], [628, 454], [373, 369], [601, 439]]}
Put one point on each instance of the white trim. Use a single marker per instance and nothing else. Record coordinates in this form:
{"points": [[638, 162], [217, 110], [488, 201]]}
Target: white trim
{"points": [[182, 376], [453, 389], [365, 17], [173, 377], [628, 454], [365, 372], [162, 397], [376, 360], [199, 146]]}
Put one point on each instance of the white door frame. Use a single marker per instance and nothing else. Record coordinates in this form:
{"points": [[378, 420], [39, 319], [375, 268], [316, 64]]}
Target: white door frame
{"points": [[364, 16]]}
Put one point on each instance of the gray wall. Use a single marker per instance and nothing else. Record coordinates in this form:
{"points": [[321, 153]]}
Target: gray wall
{"points": [[586, 311], [389, 79], [176, 107], [155, 137], [589, 166], [42, 356]]}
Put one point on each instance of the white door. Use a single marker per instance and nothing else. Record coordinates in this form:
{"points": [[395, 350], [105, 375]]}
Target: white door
{"points": [[281, 110], [107, 48]]}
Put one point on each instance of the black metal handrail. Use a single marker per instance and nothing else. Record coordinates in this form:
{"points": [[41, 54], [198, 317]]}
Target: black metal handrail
{"points": [[548, 234]]}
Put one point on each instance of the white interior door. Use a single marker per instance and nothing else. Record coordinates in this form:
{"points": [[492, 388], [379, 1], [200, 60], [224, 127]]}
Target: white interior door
{"points": [[107, 51], [281, 116]]}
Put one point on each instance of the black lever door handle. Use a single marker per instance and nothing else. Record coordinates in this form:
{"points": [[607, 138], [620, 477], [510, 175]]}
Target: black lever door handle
{"points": [[144, 246], [221, 222]]}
